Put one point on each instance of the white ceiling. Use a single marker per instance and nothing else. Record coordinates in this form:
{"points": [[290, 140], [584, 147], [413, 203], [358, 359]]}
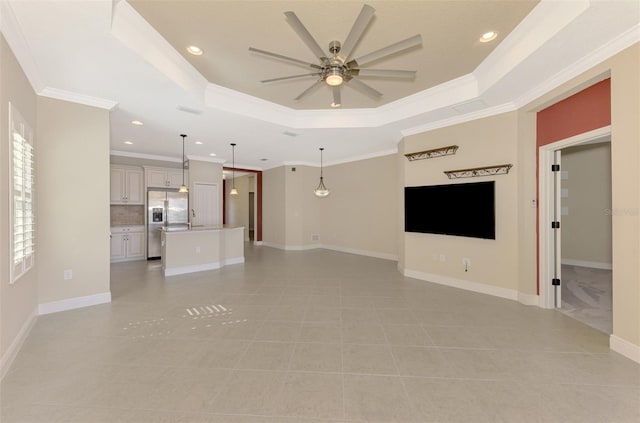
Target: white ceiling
{"points": [[105, 54]]}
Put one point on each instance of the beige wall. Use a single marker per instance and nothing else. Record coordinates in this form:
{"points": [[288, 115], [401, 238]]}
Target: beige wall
{"points": [[273, 206], [19, 301], [489, 141], [361, 213], [624, 69], [586, 228], [73, 200]]}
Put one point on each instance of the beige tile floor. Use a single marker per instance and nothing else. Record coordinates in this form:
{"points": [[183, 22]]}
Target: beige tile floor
{"points": [[315, 336]]}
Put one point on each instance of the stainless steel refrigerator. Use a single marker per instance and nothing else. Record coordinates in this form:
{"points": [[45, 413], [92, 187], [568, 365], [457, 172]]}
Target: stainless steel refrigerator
{"points": [[165, 208]]}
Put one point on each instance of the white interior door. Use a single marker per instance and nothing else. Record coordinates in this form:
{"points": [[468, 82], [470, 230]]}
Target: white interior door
{"points": [[556, 228], [206, 210]]}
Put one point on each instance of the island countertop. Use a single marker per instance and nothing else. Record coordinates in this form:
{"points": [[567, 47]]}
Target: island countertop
{"points": [[186, 250]]}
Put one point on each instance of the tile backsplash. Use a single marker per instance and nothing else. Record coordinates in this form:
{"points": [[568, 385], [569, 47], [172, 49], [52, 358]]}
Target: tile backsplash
{"points": [[127, 215]]}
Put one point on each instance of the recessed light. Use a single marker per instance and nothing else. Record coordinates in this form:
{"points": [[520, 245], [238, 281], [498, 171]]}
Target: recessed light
{"points": [[488, 36], [195, 50], [199, 142], [137, 122], [128, 142], [212, 154]]}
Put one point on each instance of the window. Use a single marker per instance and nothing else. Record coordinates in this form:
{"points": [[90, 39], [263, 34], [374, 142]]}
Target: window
{"points": [[22, 216]]}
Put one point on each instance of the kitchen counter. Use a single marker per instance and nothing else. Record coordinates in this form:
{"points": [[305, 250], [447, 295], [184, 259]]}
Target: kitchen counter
{"points": [[187, 250]]}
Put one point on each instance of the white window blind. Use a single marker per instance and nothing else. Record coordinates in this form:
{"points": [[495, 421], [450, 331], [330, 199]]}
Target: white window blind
{"points": [[22, 195]]}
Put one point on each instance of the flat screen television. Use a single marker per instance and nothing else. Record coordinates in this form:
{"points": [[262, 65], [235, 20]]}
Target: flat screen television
{"points": [[454, 209]]}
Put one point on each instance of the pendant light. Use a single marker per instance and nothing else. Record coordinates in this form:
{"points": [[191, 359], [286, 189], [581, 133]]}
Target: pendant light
{"points": [[322, 190], [183, 187], [233, 191]]}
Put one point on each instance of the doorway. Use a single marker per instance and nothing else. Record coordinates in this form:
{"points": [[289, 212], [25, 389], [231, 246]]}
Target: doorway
{"points": [[575, 227]]}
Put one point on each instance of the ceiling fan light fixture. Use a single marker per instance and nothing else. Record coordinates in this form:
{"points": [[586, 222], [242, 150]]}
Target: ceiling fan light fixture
{"points": [[334, 78]]}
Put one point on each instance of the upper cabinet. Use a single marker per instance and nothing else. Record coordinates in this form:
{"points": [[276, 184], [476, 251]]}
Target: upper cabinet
{"points": [[127, 185], [158, 177]]}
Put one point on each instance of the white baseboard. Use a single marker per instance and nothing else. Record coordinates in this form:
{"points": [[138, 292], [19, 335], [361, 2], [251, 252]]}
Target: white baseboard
{"points": [[591, 264], [73, 303], [482, 288], [528, 299], [11, 352], [626, 348], [291, 247], [233, 260], [367, 253], [173, 271], [257, 242]]}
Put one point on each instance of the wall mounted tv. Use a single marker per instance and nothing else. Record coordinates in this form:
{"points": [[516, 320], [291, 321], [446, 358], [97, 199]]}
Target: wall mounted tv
{"points": [[453, 209]]}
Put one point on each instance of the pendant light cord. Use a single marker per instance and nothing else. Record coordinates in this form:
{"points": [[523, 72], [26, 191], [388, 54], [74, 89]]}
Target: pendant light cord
{"points": [[183, 137], [233, 164], [321, 149]]}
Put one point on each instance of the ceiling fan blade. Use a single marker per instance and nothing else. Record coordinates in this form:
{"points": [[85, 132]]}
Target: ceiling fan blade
{"points": [[367, 89], [279, 56], [356, 32], [283, 78], [306, 37], [308, 90], [337, 100], [386, 73], [416, 40]]}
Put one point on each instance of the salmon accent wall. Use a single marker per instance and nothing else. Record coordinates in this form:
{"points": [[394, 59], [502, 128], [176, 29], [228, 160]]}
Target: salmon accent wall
{"points": [[582, 112]]}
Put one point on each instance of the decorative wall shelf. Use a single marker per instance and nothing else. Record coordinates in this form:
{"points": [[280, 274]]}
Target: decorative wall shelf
{"points": [[429, 154], [479, 171]]}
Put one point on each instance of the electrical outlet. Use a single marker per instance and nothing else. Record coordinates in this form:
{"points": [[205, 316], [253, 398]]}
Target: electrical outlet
{"points": [[443, 257], [315, 237], [198, 250], [68, 274]]}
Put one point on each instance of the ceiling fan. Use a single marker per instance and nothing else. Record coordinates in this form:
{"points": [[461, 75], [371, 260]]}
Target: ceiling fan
{"points": [[337, 67]]}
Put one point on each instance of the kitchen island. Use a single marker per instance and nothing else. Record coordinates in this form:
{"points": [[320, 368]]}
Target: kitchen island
{"points": [[197, 249]]}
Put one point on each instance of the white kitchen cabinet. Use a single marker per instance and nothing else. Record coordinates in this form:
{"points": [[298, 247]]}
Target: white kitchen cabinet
{"points": [[126, 185], [165, 177], [127, 243]]}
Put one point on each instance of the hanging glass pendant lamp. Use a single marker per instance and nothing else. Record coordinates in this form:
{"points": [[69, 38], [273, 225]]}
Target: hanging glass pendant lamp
{"points": [[183, 187], [233, 191], [322, 190]]}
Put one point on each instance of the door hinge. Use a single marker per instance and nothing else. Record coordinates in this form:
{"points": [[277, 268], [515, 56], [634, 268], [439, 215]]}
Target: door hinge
{"points": [[555, 282], [555, 168], [555, 225]]}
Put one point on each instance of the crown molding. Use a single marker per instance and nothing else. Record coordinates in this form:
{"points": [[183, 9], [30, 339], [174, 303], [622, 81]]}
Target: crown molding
{"points": [[374, 155], [18, 43], [594, 58], [206, 159], [136, 33], [72, 97], [545, 21], [145, 156], [456, 120]]}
